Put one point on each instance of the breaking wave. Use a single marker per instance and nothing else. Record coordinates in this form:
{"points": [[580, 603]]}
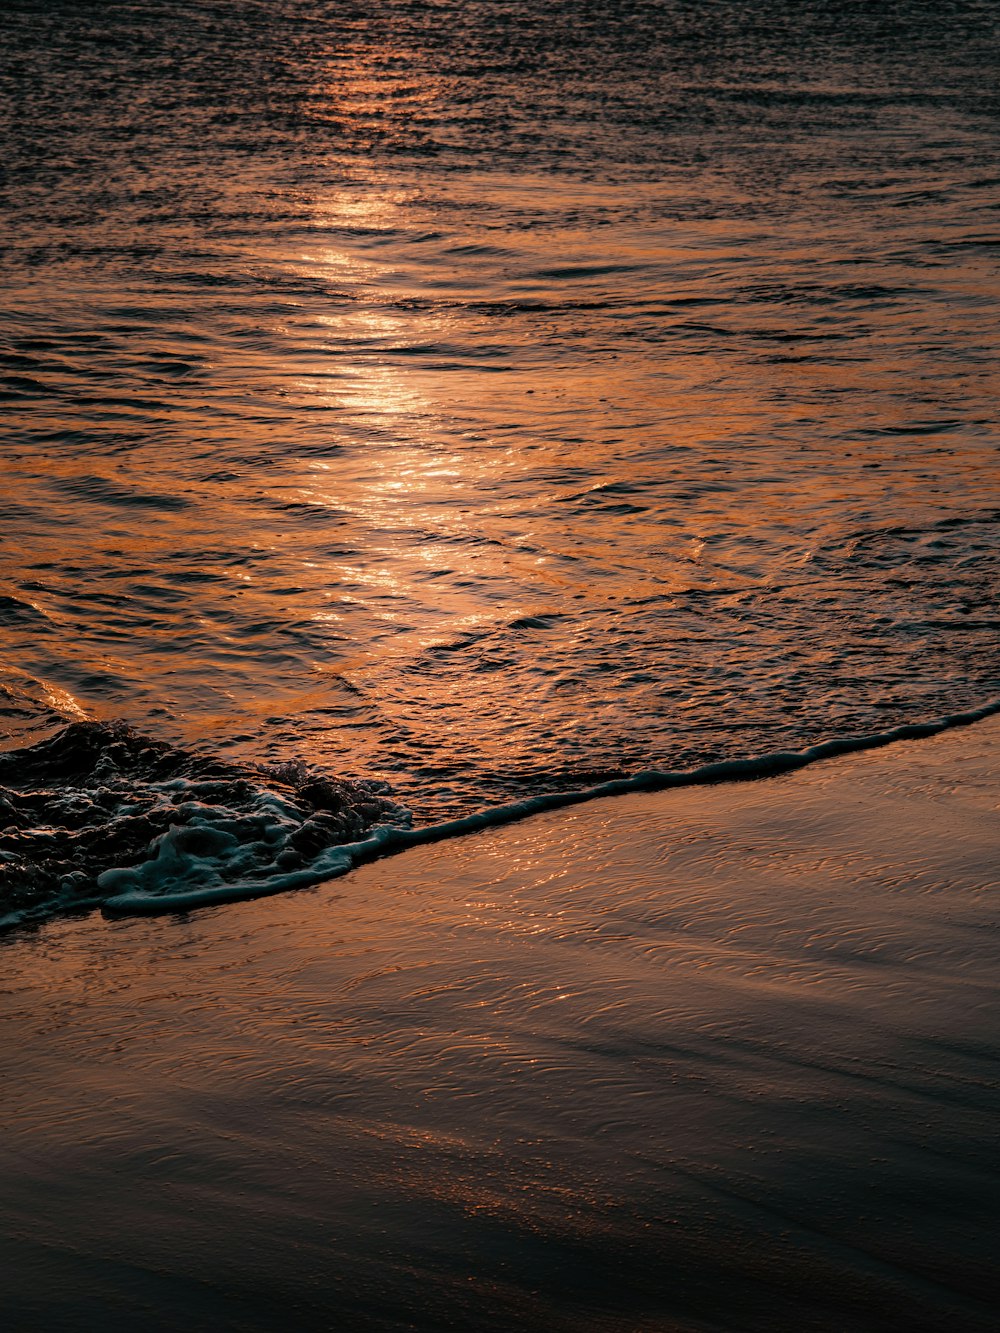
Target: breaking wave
{"points": [[98, 810]]}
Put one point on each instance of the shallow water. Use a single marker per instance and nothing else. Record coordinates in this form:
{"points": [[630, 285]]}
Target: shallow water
{"points": [[715, 1060], [488, 399]]}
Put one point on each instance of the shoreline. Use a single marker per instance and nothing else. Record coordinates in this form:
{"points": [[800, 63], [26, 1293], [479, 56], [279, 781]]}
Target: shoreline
{"points": [[390, 840], [179, 858], [717, 1058]]}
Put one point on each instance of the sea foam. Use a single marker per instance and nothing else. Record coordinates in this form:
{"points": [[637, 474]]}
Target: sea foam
{"points": [[98, 810]]}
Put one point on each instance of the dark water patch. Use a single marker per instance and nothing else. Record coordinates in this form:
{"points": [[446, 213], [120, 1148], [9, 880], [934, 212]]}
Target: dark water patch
{"points": [[19, 386], [546, 621], [14, 609], [571, 272], [101, 490], [310, 513]]}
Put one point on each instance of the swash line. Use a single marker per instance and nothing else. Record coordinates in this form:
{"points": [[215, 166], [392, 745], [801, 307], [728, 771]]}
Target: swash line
{"points": [[389, 840]]}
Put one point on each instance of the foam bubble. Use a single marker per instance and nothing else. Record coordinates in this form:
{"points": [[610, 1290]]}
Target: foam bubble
{"points": [[98, 810]]}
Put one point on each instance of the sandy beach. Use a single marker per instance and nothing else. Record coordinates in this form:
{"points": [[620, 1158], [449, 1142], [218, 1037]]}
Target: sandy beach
{"points": [[720, 1058]]}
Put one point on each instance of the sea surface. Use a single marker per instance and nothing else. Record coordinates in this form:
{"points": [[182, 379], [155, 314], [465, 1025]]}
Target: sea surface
{"points": [[418, 407]]}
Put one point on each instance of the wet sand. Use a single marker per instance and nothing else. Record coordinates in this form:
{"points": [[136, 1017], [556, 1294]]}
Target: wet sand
{"points": [[718, 1058]]}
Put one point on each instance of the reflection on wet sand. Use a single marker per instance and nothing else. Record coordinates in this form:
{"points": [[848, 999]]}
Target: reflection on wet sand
{"points": [[718, 1058]]}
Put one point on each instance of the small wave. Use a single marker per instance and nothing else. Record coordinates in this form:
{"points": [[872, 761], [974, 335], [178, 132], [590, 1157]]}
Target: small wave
{"points": [[98, 815], [337, 859]]}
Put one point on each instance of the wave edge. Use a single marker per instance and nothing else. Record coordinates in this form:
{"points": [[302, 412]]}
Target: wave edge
{"points": [[390, 840]]}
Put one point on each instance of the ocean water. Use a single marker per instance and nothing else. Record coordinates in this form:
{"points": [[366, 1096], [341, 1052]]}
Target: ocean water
{"points": [[422, 407]]}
